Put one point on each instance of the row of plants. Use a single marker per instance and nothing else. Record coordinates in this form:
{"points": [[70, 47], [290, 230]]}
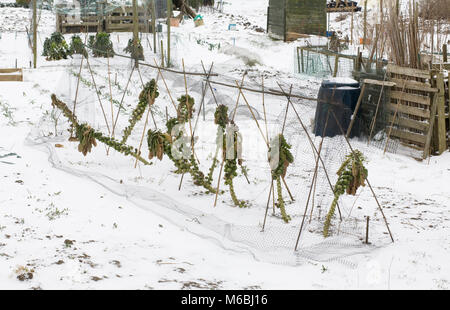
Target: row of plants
{"points": [[56, 47], [174, 143]]}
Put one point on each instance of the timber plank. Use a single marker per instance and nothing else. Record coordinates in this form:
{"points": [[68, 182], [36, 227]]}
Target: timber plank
{"points": [[10, 70], [423, 74], [5, 75], [379, 83], [426, 149], [440, 132], [410, 97], [415, 85], [409, 110], [407, 135], [409, 123]]}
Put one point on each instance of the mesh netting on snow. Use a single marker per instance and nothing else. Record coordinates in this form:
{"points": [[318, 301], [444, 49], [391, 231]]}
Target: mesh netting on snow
{"points": [[155, 189]]}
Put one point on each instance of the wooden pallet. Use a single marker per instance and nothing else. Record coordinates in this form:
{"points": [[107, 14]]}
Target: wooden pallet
{"points": [[416, 109], [118, 20], [11, 75]]}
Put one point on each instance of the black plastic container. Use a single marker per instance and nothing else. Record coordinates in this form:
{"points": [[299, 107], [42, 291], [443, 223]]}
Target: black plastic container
{"points": [[339, 95]]}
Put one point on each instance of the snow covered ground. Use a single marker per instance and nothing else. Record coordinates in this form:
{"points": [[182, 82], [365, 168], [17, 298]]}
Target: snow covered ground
{"points": [[68, 221]]}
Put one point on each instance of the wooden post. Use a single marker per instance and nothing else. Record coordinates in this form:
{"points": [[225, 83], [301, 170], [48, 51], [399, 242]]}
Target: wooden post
{"points": [[100, 17], [360, 61], [365, 24], [303, 63], [381, 12], [155, 49], [357, 64], [336, 66], [444, 53], [285, 25], [162, 54], [58, 22], [169, 15], [440, 130], [367, 229], [135, 31], [34, 33], [358, 104], [433, 112], [351, 30]]}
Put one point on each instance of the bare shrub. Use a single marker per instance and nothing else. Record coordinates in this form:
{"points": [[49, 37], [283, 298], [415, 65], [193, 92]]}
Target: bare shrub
{"points": [[434, 10]]}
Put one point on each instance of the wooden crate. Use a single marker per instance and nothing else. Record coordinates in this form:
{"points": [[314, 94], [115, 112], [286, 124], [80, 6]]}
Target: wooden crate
{"points": [[11, 75]]}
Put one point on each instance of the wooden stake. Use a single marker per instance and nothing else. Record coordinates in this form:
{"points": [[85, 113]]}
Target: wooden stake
{"points": [[267, 207], [223, 159], [272, 190], [155, 49], [367, 179], [209, 83], [78, 85], [315, 151], [98, 96], [287, 109], [444, 53], [367, 229], [358, 104], [372, 125], [393, 118], [146, 119], [110, 91], [251, 111], [336, 66], [312, 186], [262, 134], [365, 25], [165, 84], [143, 85], [169, 15], [34, 34], [202, 103], [135, 31], [121, 101]]}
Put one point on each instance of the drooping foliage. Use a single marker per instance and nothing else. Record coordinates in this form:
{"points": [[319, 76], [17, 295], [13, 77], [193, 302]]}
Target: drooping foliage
{"points": [[185, 108], [230, 146], [156, 141], [185, 160], [87, 136], [352, 175], [146, 98], [279, 168]]}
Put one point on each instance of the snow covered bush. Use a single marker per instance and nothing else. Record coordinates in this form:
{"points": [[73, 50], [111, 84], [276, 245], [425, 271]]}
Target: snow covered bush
{"points": [[77, 46], [101, 45], [135, 52], [55, 47]]}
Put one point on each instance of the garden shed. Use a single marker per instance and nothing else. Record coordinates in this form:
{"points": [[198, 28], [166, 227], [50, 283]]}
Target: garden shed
{"points": [[290, 19]]}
